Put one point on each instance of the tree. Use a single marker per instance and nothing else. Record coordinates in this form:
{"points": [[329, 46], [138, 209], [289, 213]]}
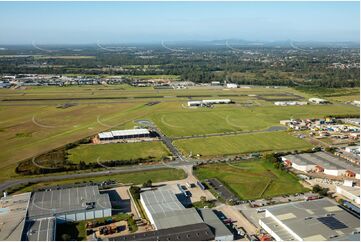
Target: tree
{"points": [[147, 183]]}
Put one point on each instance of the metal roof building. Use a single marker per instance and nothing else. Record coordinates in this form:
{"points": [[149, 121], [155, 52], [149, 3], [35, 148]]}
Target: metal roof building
{"points": [[12, 216], [72, 204], [318, 220], [220, 231], [194, 232], [121, 134], [40, 230], [327, 163]]}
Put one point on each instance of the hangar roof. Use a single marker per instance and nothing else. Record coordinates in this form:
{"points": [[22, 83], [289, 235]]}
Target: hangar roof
{"points": [[61, 201]]}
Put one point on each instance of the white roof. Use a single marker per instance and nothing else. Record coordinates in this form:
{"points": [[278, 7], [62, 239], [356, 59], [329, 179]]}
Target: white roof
{"points": [[129, 132], [216, 100], [125, 132], [105, 135]]}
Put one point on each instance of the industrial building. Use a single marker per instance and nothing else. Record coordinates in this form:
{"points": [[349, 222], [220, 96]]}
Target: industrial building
{"points": [[208, 102], [322, 162], [13, 211], [351, 193], [124, 134], [289, 103], [316, 220], [33, 216], [317, 100], [194, 232], [72, 204], [164, 211], [221, 232]]}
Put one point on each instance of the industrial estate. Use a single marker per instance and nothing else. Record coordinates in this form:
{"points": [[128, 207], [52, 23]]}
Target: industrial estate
{"points": [[208, 141]]}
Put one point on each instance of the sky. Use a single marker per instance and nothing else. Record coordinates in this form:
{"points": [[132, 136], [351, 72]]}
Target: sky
{"points": [[140, 22]]}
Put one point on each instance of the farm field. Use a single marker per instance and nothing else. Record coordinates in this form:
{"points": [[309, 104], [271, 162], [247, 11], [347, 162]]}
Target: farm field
{"points": [[252, 179], [128, 151], [244, 143], [139, 177]]}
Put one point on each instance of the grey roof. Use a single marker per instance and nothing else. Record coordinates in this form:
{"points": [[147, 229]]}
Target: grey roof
{"points": [[161, 201], [217, 226], [55, 202], [306, 220], [40, 229], [194, 232], [176, 218], [323, 159], [12, 216]]}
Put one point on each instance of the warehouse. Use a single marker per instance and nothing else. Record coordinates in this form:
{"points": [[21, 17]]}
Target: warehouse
{"points": [[12, 216], [221, 232], [317, 100], [72, 204], [351, 193], [316, 220], [208, 102], [194, 232], [164, 211], [43, 229], [124, 134], [322, 162], [161, 206]]}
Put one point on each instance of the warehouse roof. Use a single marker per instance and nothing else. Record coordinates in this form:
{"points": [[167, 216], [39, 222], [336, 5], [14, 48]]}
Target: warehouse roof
{"points": [[217, 226], [216, 100], [324, 160], [48, 203], [125, 132], [194, 232], [105, 135], [40, 230], [321, 219], [161, 201], [12, 216], [176, 218]]}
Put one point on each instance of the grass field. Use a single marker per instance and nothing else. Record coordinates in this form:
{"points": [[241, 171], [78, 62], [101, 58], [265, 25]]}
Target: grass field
{"points": [[252, 179], [245, 143], [31, 127], [106, 152], [139, 177], [233, 118]]}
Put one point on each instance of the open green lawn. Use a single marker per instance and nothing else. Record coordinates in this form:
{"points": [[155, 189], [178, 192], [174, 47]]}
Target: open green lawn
{"points": [[252, 179], [234, 118], [126, 151], [139, 177], [244, 143]]}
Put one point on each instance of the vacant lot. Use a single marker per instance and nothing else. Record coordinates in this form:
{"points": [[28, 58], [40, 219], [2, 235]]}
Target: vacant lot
{"points": [[245, 143], [252, 179], [130, 151]]}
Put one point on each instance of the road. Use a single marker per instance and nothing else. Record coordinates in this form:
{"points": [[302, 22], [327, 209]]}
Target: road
{"points": [[10, 183]]}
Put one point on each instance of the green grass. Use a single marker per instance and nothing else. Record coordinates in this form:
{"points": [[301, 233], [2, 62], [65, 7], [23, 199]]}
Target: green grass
{"points": [[252, 179], [74, 123], [137, 178], [245, 143], [228, 118], [126, 151]]}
